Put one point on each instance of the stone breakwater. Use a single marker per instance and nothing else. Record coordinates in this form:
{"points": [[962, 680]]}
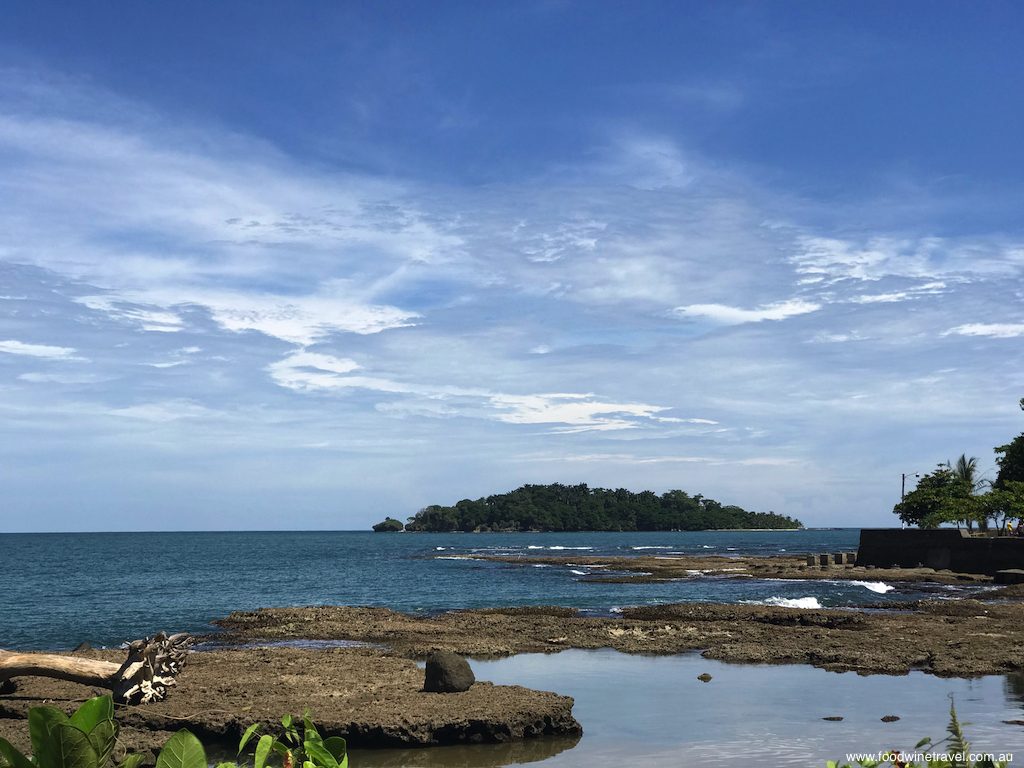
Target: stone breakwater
{"points": [[371, 698], [646, 569]]}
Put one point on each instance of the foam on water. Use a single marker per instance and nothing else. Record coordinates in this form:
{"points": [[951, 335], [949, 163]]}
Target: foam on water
{"points": [[875, 586], [787, 602]]}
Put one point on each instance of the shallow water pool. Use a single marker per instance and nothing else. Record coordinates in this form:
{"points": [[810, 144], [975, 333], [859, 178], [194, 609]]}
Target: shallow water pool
{"points": [[652, 711]]}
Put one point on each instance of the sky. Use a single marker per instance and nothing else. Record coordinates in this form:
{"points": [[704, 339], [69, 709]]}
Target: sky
{"points": [[301, 266]]}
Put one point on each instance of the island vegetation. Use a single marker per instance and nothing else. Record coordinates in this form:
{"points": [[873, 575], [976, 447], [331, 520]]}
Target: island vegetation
{"points": [[558, 507], [953, 492]]}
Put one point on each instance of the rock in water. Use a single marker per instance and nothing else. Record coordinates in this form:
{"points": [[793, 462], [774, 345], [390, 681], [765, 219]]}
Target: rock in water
{"points": [[447, 672], [704, 678], [890, 718]]}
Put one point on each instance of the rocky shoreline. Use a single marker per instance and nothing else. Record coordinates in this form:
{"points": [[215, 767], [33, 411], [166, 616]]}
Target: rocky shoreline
{"points": [[370, 692], [951, 638], [370, 697]]}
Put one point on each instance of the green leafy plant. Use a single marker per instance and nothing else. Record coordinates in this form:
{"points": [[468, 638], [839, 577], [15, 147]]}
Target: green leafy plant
{"points": [[955, 752], [84, 740], [306, 748], [87, 740]]}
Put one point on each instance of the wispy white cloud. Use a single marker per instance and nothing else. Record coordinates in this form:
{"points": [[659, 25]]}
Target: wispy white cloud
{"points": [[637, 460], [301, 320], [826, 337], [147, 319], [993, 330], [12, 347], [164, 411], [577, 411], [61, 378], [311, 372], [721, 313]]}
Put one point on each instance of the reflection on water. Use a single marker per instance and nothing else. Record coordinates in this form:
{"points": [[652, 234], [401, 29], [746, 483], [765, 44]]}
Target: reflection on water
{"points": [[648, 711], [474, 756], [1015, 687]]}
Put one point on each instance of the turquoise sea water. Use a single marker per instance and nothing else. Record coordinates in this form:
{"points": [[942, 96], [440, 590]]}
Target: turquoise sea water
{"points": [[105, 588]]}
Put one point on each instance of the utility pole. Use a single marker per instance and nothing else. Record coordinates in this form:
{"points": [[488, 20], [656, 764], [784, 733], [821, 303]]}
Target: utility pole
{"points": [[903, 483]]}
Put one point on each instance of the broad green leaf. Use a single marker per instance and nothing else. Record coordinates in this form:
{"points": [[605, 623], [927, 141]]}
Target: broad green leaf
{"points": [[307, 764], [12, 757], [72, 748], [280, 748], [40, 720], [103, 738], [133, 760], [286, 721], [309, 731], [246, 736], [227, 765], [262, 750], [316, 752], [92, 713], [922, 742], [182, 750], [337, 746]]}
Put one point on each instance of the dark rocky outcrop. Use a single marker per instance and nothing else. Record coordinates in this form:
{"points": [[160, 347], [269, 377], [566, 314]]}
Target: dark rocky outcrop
{"points": [[447, 672], [362, 694]]}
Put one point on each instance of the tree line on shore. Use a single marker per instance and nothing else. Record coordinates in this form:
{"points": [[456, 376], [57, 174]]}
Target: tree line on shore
{"points": [[558, 507], [953, 493]]}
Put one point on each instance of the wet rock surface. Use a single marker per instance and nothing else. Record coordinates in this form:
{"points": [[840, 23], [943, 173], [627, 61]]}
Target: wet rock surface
{"points": [[952, 638], [370, 698]]}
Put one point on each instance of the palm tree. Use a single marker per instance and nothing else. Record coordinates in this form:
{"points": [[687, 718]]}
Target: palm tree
{"points": [[966, 470]]}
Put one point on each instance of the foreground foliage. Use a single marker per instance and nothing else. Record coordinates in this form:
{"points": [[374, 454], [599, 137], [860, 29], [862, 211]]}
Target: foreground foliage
{"points": [[954, 751], [88, 739], [560, 507]]}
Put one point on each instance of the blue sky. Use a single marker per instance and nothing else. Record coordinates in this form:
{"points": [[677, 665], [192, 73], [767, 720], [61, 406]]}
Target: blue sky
{"points": [[279, 266]]}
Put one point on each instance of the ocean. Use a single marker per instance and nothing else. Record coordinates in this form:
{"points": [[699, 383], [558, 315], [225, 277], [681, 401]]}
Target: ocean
{"points": [[106, 588]]}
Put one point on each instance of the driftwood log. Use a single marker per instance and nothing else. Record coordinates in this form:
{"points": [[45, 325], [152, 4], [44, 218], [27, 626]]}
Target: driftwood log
{"points": [[147, 673]]}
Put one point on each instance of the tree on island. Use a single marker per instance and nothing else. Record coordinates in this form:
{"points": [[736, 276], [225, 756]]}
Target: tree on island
{"points": [[389, 525], [558, 507]]}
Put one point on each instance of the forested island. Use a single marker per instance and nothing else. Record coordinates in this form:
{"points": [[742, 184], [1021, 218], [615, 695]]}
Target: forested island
{"points": [[560, 507]]}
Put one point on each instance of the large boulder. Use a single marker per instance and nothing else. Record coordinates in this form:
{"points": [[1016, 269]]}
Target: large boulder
{"points": [[447, 672]]}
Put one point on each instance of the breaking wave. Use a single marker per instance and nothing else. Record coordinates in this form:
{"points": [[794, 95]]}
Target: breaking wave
{"points": [[787, 602], [875, 586]]}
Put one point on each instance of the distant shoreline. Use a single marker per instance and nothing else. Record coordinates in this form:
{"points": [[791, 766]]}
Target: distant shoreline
{"points": [[598, 530]]}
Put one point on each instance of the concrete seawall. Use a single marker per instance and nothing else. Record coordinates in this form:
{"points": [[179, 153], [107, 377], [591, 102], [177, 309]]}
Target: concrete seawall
{"points": [[939, 548]]}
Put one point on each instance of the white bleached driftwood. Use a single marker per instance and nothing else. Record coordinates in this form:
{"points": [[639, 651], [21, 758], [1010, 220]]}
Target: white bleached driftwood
{"points": [[150, 669]]}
